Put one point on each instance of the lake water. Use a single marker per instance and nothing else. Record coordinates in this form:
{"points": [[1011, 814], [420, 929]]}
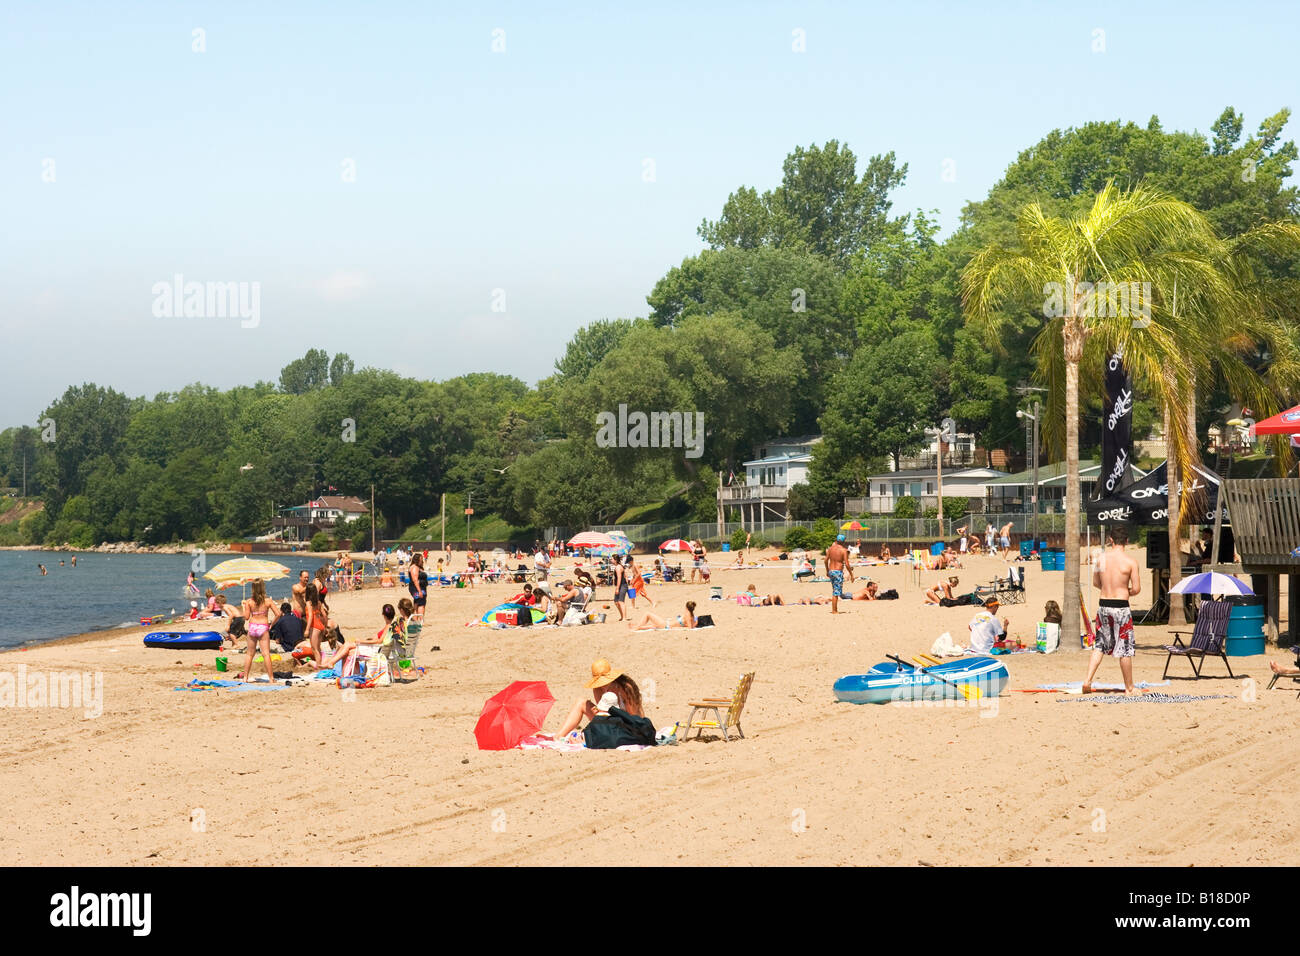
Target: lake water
{"points": [[105, 590]]}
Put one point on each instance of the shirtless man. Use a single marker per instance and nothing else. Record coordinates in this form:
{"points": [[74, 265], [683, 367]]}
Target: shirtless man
{"points": [[1004, 539], [837, 562], [299, 595], [1116, 574]]}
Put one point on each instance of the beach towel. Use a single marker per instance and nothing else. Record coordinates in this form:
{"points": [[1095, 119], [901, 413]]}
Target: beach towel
{"points": [[565, 746], [1078, 685], [236, 685], [1149, 698]]}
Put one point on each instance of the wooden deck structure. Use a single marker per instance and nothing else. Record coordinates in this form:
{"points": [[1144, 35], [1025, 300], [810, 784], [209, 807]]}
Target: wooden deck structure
{"points": [[1265, 515]]}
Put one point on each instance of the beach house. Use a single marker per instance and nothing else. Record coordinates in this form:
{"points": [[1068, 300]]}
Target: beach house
{"points": [[762, 490], [300, 522]]}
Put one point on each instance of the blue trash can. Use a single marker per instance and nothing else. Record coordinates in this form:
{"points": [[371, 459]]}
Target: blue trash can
{"points": [[1059, 556], [1026, 549], [1245, 630], [726, 546], [1047, 560]]}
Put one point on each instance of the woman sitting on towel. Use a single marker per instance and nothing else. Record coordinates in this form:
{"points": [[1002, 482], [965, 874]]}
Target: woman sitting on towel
{"points": [[385, 633], [653, 622], [604, 679]]}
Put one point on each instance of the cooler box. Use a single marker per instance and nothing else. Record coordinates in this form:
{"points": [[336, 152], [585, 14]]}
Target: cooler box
{"points": [[1245, 630]]}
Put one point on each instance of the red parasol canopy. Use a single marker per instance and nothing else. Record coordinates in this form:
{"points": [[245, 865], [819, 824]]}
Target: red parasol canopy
{"points": [[675, 544], [1283, 423], [513, 714]]}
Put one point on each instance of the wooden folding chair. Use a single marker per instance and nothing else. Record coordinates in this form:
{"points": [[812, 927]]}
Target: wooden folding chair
{"points": [[735, 705]]}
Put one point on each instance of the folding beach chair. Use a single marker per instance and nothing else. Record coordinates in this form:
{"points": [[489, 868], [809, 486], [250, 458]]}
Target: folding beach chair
{"points": [[734, 704], [1011, 589], [1208, 638], [1296, 651], [401, 652]]}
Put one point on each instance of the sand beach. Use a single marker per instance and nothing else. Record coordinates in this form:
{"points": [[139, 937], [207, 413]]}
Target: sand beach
{"points": [[308, 775]]}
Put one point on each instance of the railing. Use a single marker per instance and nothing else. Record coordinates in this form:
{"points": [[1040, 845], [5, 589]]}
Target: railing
{"points": [[742, 494], [951, 459], [1265, 519]]}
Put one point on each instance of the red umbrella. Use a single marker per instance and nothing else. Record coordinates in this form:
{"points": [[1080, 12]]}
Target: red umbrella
{"points": [[675, 544], [1283, 423], [513, 714]]}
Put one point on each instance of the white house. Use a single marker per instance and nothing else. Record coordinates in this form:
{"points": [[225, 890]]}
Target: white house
{"points": [[885, 490], [764, 490]]}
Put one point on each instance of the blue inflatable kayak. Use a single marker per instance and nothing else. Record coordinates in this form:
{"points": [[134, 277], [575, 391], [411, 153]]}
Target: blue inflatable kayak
{"points": [[891, 681], [184, 640]]}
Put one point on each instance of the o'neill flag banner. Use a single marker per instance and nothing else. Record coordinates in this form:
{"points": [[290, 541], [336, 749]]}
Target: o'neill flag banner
{"points": [[1116, 429]]}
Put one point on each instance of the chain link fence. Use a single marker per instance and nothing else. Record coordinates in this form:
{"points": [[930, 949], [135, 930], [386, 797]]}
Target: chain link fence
{"points": [[875, 529]]}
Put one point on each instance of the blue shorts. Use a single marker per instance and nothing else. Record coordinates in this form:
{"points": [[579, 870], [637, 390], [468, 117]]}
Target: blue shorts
{"points": [[837, 584]]}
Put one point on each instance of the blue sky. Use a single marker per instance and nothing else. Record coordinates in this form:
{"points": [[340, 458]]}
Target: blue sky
{"points": [[519, 171]]}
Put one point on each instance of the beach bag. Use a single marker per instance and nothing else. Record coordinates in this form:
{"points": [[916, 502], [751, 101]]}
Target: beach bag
{"points": [[1048, 638], [524, 617], [704, 620], [619, 729], [890, 595]]}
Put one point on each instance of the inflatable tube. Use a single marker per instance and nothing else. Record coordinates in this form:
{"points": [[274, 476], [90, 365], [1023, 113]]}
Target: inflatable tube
{"points": [[506, 614], [184, 640], [888, 681]]}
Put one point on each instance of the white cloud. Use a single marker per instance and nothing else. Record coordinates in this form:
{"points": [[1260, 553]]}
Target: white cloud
{"points": [[343, 286]]}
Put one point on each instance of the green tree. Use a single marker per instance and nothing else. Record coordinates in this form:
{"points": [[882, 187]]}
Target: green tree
{"points": [[306, 374], [340, 368], [1138, 236]]}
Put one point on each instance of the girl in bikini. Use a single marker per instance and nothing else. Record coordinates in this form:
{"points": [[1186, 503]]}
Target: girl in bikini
{"points": [[260, 613], [317, 621], [653, 622]]}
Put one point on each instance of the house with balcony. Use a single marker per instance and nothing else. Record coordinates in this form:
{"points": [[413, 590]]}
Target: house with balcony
{"points": [[764, 491], [325, 513]]}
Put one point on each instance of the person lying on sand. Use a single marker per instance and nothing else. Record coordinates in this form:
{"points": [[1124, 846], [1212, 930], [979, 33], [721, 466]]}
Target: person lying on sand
{"points": [[819, 599], [941, 590], [653, 622], [868, 593], [759, 600], [604, 679]]}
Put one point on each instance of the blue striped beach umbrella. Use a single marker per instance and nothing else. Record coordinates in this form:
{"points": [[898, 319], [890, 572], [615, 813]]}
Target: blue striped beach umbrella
{"points": [[1212, 582]]}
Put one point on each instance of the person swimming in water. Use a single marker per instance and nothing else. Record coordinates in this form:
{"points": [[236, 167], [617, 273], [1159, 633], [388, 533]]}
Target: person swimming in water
{"points": [[42, 567]]}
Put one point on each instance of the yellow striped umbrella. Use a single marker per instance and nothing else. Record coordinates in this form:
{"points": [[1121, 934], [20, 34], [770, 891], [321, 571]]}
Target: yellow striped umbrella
{"points": [[245, 570]]}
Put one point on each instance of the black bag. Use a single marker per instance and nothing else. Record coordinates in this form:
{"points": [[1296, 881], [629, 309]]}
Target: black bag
{"points": [[890, 595], [619, 729], [524, 617], [704, 620]]}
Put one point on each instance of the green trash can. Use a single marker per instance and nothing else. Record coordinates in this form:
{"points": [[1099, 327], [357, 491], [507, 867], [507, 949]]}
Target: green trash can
{"points": [[1245, 630]]}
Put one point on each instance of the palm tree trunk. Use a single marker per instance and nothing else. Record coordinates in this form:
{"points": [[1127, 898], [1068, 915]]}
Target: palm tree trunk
{"points": [[1173, 472], [1073, 335]]}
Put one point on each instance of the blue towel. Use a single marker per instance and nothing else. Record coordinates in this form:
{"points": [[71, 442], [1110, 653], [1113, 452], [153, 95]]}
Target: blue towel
{"points": [[199, 685]]}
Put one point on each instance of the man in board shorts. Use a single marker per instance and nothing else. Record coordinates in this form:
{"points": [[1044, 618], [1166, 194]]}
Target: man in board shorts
{"points": [[837, 562], [1116, 574]]}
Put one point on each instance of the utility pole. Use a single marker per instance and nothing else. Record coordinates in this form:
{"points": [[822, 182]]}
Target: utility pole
{"points": [[372, 517], [442, 510], [469, 510], [1038, 413]]}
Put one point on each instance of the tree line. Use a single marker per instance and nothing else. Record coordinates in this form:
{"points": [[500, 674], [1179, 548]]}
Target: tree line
{"points": [[815, 308]]}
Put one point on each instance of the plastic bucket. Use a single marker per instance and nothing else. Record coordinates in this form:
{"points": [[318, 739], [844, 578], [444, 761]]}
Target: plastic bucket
{"points": [[222, 663], [1245, 630]]}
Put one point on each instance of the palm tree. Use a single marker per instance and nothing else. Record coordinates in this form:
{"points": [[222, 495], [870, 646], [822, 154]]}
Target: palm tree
{"points": [[1190, 287]]}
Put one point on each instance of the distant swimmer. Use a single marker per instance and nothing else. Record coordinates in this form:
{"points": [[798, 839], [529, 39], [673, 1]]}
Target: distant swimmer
{"points": [[60, 564], [42, 567], [74, 560]]}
